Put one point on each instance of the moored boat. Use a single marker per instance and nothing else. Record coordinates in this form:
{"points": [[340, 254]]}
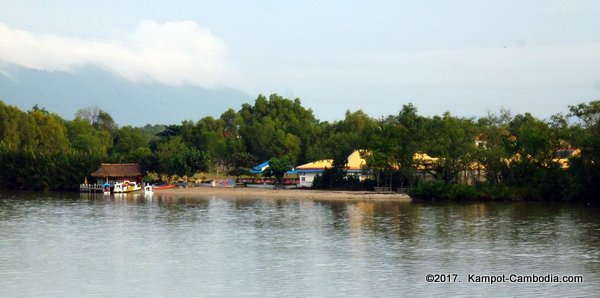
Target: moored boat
{"points": [[106, 189], [163, 186], [148, 190], [263, 186], [126, 186]]}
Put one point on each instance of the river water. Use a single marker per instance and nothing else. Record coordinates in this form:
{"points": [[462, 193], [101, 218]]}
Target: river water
{"points": [[82, 245]]}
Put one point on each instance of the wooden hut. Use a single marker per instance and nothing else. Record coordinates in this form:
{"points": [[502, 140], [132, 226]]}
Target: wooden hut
{"points": [[110, 172]]}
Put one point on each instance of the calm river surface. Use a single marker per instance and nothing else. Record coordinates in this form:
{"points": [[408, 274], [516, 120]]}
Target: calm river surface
{"points": [[81, 245]]}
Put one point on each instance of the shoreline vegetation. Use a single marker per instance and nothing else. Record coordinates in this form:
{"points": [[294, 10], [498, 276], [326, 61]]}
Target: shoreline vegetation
{"points": [[499, 156], [311, 194]]}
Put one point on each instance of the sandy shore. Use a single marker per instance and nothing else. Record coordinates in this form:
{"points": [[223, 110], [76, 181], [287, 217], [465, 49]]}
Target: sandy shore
{"points": [[284, 194]]}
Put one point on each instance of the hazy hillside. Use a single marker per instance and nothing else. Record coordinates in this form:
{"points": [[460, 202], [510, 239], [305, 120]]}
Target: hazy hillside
{"points": [[128, 103]]}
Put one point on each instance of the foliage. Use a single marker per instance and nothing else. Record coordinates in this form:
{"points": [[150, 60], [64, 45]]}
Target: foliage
{"points": [[278, 167], [85, 138], [440, 190], [278, 127], [498, 156], [332, 179], [585, 169], [240, 163], [27, 170], [174, 157], [97, 118], [493, 142], [129, 144], [452, 139]]}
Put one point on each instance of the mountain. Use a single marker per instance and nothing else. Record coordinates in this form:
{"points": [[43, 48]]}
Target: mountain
{"points": [[128, 103]]}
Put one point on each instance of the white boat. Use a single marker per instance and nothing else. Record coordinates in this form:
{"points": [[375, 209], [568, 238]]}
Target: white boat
{"points": [[148, 190], [126, 186], [263, 185]]}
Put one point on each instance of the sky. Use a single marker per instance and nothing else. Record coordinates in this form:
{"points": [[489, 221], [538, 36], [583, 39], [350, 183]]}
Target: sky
{"points": [[465, 57]]}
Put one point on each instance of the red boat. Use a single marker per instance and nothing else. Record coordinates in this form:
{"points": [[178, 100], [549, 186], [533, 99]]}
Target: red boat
{"points": [[163, 186]]}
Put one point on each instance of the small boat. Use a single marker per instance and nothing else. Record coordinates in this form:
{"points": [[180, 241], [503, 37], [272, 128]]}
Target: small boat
{"points": [[148, 190], [163, 186], [106, 189], [126, 186], [263, 186]]}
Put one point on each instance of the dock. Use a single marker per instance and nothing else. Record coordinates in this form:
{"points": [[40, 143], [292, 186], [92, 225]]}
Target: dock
{"points": [[91, 187]]}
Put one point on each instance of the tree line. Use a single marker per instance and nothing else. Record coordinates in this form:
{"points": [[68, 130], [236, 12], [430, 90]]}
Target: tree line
{"points": [[497, 156]]}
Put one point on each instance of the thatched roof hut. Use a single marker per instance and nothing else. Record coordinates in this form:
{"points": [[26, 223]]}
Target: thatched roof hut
{"points": [[118, 171]]}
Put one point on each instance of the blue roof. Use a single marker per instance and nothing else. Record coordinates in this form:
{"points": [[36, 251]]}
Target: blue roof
{"points": [[259, 168]]}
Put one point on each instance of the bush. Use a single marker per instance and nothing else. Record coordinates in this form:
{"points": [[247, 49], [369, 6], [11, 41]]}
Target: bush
{"points": [[440, 190], [495, 192], [368, 184], [429, 190], [337, 179]]}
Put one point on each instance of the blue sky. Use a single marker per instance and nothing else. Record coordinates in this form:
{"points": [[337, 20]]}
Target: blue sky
{"points": [[466, 57]]}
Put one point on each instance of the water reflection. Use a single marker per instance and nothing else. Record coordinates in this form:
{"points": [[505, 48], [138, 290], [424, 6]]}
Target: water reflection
{"points": [[59, 244]]}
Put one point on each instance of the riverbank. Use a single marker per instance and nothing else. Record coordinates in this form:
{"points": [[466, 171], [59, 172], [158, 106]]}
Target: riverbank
{"points": [[285, 194]]}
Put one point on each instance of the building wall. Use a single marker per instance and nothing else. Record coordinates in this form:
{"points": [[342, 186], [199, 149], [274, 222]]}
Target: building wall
{"points": [[306, 179]]}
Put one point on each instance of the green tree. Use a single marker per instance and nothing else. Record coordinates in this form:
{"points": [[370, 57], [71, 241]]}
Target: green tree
{"points": [[174, 157], [51, 133], [585, 168], [532, 150], [17, 128], [340, 139], [278, 127], [452, 140], [240, 163], [85, 138], [97, 117], [493, 145], [278, 167], [401, 137], [129, 143]]}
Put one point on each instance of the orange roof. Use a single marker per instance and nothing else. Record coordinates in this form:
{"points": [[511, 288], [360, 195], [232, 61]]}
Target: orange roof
{"points": [[316, 165], [355, 162]]}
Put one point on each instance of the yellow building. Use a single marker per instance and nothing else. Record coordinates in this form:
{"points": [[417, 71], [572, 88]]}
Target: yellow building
{"points": [[308, 172]]}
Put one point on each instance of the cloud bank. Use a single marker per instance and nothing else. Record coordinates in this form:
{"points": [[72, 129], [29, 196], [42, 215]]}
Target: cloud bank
{"points": [[172, 53]]}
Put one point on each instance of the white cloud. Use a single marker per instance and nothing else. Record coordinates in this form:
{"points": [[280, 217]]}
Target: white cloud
{"points": [[173, 53]]}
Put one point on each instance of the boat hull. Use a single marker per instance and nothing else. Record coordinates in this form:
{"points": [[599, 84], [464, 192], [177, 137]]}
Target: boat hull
{"points": [[163, 187]]}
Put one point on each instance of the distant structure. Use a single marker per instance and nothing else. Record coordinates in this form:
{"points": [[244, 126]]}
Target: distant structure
{"points": [[308, 172], [112, 173]]}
